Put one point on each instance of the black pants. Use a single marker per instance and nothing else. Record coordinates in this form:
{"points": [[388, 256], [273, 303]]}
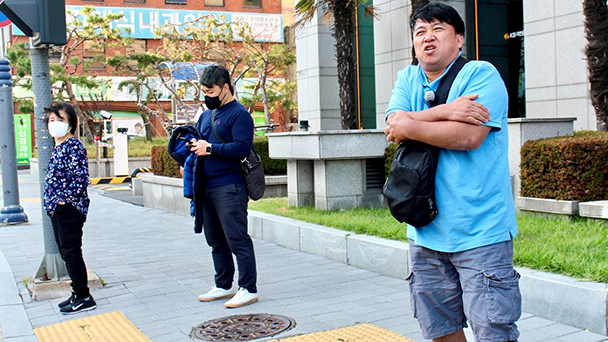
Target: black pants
{"points": [[225, 226], [67, 225]]}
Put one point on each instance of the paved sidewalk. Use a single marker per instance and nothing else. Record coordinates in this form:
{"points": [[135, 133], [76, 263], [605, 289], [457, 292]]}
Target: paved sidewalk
{"points": [[154, 267]]}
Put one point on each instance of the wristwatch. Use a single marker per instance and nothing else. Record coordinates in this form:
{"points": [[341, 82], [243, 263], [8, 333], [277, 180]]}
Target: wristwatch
{"points": [[208, 149]]}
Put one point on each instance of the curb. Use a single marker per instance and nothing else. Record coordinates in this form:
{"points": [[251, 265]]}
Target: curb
{"points": [[563, 299]]}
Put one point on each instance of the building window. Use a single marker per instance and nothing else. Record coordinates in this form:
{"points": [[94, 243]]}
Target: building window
{"points": [[97, 55], [252, 3], [179, 2], [219, 3], [138, 1]]}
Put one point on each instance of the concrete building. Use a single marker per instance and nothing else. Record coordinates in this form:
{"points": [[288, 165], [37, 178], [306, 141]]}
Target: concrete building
{"points": [[549, 34], [537, 46]]}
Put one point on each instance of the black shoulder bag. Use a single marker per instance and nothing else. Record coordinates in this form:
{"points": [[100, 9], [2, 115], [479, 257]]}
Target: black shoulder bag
{"points": [[410, 187], [253, 171]]}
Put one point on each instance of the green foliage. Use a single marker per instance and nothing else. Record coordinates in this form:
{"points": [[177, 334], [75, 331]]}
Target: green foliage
{"points": [[165, 167], [370, 221], [389, 154], [566, 168], [138, 147], [575, 248], [163, 164], [271, 166]]}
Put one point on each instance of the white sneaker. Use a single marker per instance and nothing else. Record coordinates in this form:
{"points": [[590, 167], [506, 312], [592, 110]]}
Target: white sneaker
{"points": [[242, 298], [216, 293]]}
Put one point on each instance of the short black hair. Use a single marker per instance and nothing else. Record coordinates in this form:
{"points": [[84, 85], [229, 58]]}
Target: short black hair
{"points": [[216, 74], [67, 109], [440, 12]]}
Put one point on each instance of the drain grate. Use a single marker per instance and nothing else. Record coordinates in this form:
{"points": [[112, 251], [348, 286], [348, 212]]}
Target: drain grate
{"points": [[242, 327]]}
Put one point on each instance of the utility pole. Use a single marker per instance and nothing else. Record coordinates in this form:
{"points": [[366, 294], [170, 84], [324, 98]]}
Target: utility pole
{"points": [[12, 212], [52, 266], [44, 21]]}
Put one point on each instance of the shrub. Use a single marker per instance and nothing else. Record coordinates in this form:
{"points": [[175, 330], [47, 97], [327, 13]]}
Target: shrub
{"points": [[164, 165], [271, 166], [566, 168], [389, 154]]}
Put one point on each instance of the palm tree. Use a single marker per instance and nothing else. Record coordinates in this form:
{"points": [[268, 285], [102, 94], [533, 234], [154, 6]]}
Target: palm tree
{"points": [[596, 31], [341, 16]]}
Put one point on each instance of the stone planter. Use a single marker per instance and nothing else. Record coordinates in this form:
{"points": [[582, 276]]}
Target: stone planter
{"points": [[334, 169], [594, 209], [167, 193], [547, 205]]}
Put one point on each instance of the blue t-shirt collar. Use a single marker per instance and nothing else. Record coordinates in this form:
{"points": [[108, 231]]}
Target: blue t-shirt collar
{"points": [[435, 84]]}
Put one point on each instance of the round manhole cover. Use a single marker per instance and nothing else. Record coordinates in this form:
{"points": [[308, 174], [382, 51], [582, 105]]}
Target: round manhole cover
{"points": [[242, 327]]}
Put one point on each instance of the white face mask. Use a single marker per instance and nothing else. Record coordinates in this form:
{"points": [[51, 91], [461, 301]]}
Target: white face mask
{"points": [[58, 129]]}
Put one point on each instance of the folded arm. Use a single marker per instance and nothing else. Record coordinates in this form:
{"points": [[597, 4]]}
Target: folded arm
{"points": [[445, 134]]}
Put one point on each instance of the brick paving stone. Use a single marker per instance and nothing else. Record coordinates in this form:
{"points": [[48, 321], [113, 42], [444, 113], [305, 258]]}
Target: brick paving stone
{"points": [[154, 267]]}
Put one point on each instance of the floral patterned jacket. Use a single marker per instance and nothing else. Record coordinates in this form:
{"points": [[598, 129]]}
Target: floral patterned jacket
{"points": [[67, 177]]}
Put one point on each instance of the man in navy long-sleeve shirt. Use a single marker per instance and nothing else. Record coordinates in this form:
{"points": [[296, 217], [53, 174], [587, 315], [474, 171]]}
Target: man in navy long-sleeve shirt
{"points": [[223, 190]]}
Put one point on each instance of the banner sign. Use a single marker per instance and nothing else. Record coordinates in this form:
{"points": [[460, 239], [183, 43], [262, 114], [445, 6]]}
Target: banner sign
{"points": [[23, 138], [142, 22]]}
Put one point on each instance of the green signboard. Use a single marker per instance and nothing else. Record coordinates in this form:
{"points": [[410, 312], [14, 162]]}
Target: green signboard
{"points": [[23, 138]]}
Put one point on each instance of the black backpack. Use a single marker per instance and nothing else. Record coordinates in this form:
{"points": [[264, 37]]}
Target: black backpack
{"points": [[410, 187]]}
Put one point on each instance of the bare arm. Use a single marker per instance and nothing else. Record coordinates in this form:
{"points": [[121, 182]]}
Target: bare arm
{"points": [[445, 134], [463, 109]]}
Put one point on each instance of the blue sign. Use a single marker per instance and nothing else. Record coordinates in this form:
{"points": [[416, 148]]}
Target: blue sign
{"points": [[142, 22], [185, 70]]}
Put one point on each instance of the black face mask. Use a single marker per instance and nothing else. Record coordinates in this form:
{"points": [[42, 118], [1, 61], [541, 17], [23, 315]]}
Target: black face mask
{"points": [[213, 102]]}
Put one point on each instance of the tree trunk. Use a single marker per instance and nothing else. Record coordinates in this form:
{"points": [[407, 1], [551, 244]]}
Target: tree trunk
{"points": [[87, 122], [416, 4], [147, 125], [596, 31], [263, 74], [344, 33]]}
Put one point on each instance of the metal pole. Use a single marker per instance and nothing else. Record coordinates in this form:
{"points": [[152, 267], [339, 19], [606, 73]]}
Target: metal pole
{"points": [[12, 212], [52, 266]]}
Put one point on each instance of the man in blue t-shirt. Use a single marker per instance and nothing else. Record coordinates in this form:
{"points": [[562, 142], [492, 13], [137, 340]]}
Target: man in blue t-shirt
{"points": [[219, 182], [462, 262]]}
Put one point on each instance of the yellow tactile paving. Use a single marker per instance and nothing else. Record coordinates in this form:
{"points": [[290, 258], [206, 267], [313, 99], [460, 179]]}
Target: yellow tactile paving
{"points": [[108, 327], [31, 200], [360, 333]]}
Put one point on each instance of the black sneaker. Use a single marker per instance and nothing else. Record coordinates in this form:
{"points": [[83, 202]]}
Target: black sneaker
{"points": [[79, 305], [67, 301]]}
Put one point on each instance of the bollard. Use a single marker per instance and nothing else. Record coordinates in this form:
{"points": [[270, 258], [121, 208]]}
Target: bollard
{"points": [[121, 153], [11, 212]]}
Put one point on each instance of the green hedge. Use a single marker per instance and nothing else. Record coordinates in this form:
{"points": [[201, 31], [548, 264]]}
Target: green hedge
{"points": [[271, 166], [389, 154], [164, 165], [566, 168]]}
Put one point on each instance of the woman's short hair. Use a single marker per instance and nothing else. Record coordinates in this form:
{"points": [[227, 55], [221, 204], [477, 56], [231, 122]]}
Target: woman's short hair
{"points": [[440, 12], [67, 109]]}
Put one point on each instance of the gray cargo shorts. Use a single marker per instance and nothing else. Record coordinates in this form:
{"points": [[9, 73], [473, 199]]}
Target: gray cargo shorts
{"points": [[478, 285]]}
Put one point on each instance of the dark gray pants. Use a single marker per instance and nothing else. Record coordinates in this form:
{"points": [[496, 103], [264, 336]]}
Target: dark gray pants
{"points": [[225, 227]]}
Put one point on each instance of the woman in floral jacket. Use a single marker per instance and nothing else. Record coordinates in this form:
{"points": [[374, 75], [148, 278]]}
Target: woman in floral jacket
{"points": [[66, 201]]}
